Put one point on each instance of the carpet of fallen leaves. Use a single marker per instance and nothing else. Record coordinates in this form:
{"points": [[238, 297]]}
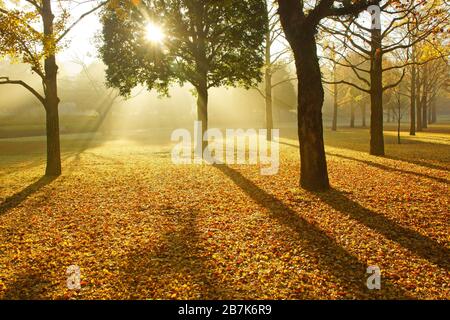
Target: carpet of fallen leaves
{"points": [[140, 227]]}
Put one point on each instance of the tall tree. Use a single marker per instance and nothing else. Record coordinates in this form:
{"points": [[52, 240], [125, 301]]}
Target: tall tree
{"points": [[434, 72], [334, 57], [379, 43], [418, 21], [207, 43], [412, 103], [283, 93], [439, 77], [32, 32], [334, 63], [300, 20], [398, 110], [277, 56]]}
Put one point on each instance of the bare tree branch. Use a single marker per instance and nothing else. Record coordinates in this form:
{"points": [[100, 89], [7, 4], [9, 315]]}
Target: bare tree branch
{"points": [[347, 83], [6, 80], [84, 15], [393, 85]]}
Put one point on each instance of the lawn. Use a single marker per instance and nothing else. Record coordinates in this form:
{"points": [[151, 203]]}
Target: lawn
{"points": [[140, 227]]}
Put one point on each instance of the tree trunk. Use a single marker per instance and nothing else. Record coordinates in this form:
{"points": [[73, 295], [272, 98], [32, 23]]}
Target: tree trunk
{"points": [[269, 114], [418, 103], [201, 68], [53, 141], [314, 174], [335, 103], [268, 88], [424, 111], [202, 111], [301, 37], [51, 95], [388, 120], [429, 112], [363, 114], [376, 96], [433, 111], [412, 112], [425, 98], [398, 122], [352, 115]]}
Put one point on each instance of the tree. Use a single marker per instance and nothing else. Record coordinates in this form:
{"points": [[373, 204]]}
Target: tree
{"points": [[434, 10], [300, 22], [277, 56], [337, 62], [208, 44], [439, 77], [435, 72], [32, 34], [398, 107], [378, 43], [430, 51], [334, 91], [284, 94]]}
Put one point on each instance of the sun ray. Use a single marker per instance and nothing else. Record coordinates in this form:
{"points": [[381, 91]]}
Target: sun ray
{"points": [[154, 33]]}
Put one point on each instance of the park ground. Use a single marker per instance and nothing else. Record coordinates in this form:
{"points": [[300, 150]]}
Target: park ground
{"points": [[140, 227]]}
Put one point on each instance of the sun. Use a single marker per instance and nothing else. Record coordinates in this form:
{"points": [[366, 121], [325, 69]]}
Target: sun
{"points": [[154, 33]]}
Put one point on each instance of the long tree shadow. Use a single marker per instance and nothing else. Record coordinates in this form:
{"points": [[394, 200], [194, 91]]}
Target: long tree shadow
{"points": [[30, 286], [16, 199], [419, 163], [346, 268], [407, 238], [387, 168], [179, 253], [442, 148], [28, 166], [379, 165]]}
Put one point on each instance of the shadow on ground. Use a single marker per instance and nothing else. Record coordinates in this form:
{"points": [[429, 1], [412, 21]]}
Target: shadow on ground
{"points": [[16, 199], [413, 241], [391, 169], [178, 258], [346, 268], [346, 139]]}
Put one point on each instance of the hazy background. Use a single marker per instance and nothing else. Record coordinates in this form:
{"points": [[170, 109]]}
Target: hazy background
{"points": [[87, 105]]}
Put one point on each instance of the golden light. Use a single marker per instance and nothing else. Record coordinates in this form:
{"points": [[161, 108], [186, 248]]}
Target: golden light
{"points": [[154, 33]]}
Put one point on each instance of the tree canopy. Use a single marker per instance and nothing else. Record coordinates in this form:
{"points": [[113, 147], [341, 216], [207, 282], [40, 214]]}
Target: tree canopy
{"points": [[206, 43]]}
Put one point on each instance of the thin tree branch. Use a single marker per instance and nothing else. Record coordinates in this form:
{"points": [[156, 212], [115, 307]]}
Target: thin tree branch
{"points": [[84, 15], [6, 80], [347, 83]]}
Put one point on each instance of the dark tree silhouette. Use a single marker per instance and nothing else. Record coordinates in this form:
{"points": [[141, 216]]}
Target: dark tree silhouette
{"points": [[32, 33], [374, 45], [208, 44], [300, 24]]}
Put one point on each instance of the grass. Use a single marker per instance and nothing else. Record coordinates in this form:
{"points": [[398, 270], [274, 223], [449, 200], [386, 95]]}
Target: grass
{"points": [[140, 227], [12, 127]]}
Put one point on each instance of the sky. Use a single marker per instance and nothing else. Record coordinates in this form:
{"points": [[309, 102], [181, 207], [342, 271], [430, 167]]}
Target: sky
{"points": [[81, 41]]}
